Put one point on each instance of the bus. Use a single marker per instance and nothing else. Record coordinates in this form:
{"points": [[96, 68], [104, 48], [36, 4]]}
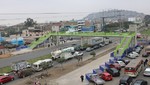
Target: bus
{"points": [[42, 64], [133, 68], [147, 49]]}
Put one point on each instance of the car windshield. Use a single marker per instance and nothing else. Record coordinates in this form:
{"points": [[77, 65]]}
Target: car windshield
{"points": [[114, 70], [129, 68], [137, 83], [146, 71]]}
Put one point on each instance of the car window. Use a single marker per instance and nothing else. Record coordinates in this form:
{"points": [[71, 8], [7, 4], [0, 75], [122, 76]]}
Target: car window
{"points": [[4, 78]]}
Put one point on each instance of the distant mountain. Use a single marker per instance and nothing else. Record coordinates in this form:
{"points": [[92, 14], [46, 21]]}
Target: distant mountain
{"points": [[114, 14]]}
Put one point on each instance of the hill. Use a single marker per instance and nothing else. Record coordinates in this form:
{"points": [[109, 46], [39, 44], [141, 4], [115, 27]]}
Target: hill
{"points": [[114, 14]]}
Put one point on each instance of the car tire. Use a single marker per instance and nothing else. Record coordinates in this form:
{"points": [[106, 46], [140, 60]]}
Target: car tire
{"points": [[12, 79]]}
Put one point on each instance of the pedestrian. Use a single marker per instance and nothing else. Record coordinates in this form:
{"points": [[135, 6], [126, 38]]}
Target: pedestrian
{"points": [[82, 78], [145, 62]]}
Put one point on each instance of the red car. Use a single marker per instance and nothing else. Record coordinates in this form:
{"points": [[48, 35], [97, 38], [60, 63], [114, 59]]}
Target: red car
{"points": [[106, 76], [115, 65], [5, 79]]}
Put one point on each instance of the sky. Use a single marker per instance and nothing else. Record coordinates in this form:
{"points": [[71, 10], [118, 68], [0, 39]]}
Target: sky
{"points": [[69, 6]]}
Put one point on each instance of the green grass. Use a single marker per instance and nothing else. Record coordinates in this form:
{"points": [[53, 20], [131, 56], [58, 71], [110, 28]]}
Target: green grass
{"points": [[8, 68], [5, 69]]}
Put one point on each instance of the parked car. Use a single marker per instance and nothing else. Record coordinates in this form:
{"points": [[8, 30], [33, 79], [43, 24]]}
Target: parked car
{"points": [[125, 80], [89, 49], [125, 61], [145, 54], [101, 44], [147, 72], [106, 76], [96, 47], [140, 82], [115, 65], [95, 79], [113, 71], [5, 79], [141, 46], [138, 49], [82, 48], [78, 53], [121, 63], [133, 55]]}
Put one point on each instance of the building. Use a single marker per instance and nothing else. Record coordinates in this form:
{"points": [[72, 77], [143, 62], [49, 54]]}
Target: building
{"points": [[56, 27]]}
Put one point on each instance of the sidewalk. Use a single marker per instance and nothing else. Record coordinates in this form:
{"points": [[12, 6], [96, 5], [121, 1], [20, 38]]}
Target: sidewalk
{"points": [[73, 78]]}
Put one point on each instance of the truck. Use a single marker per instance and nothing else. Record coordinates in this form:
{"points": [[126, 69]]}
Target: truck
{"points": [[42, 64], [56, 54], [22, 68]]}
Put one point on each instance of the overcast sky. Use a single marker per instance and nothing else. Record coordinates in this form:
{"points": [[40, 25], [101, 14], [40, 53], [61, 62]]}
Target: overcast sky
{"points": [[59, 6]]}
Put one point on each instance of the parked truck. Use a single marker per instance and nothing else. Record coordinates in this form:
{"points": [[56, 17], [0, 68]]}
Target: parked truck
{"points": [[22, 68], [56, 54]]}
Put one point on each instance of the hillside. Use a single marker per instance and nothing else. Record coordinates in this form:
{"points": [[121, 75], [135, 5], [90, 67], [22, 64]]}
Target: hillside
{"points": [[114, 14]]}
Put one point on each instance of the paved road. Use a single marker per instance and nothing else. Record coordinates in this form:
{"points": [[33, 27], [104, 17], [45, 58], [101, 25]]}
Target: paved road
{"points": [[34, 54], [37, 53]]}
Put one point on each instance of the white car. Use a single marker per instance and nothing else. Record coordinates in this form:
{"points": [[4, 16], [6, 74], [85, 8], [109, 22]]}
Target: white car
{"points": [[78, 53], [121, 63], [133, 55], [147, 72]]}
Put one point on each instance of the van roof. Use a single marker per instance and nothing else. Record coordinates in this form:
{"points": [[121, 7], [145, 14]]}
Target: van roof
{"points": [[41, 61]]}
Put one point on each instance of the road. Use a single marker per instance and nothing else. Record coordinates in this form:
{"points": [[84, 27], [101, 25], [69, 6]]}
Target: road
{"points": [[34, 54], [85, 57], [37, 53]]}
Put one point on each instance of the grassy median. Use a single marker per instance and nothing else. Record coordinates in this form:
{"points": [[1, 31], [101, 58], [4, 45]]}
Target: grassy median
{"points": [[8, 69]]}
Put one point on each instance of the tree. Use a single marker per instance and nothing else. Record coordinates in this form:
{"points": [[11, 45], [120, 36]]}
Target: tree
{"points": [[93, 54], [60, 60], [30, 22]]}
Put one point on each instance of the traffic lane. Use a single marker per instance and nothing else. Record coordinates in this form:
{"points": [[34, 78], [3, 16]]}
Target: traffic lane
{"points": [[34, 54]]}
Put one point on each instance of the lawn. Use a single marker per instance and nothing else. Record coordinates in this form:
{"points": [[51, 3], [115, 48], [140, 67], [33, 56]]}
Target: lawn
{"points": [[8, 68]]}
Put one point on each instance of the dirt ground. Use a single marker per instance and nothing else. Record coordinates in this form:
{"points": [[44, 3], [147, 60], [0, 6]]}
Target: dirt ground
{"points": [[5, 56]]}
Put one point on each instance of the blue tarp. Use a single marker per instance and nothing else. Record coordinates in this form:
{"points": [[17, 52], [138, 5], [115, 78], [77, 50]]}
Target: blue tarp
{"points": [[87, 29], [18, 41], [2, 39]]}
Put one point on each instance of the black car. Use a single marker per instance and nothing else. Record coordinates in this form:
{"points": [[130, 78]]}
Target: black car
{"points": [[125, 80], [82, 48], [140, 82], [113, 71]]}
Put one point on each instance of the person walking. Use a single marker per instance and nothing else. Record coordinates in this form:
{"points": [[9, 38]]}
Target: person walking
{"points": [[82, 78], [145, 62]]}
